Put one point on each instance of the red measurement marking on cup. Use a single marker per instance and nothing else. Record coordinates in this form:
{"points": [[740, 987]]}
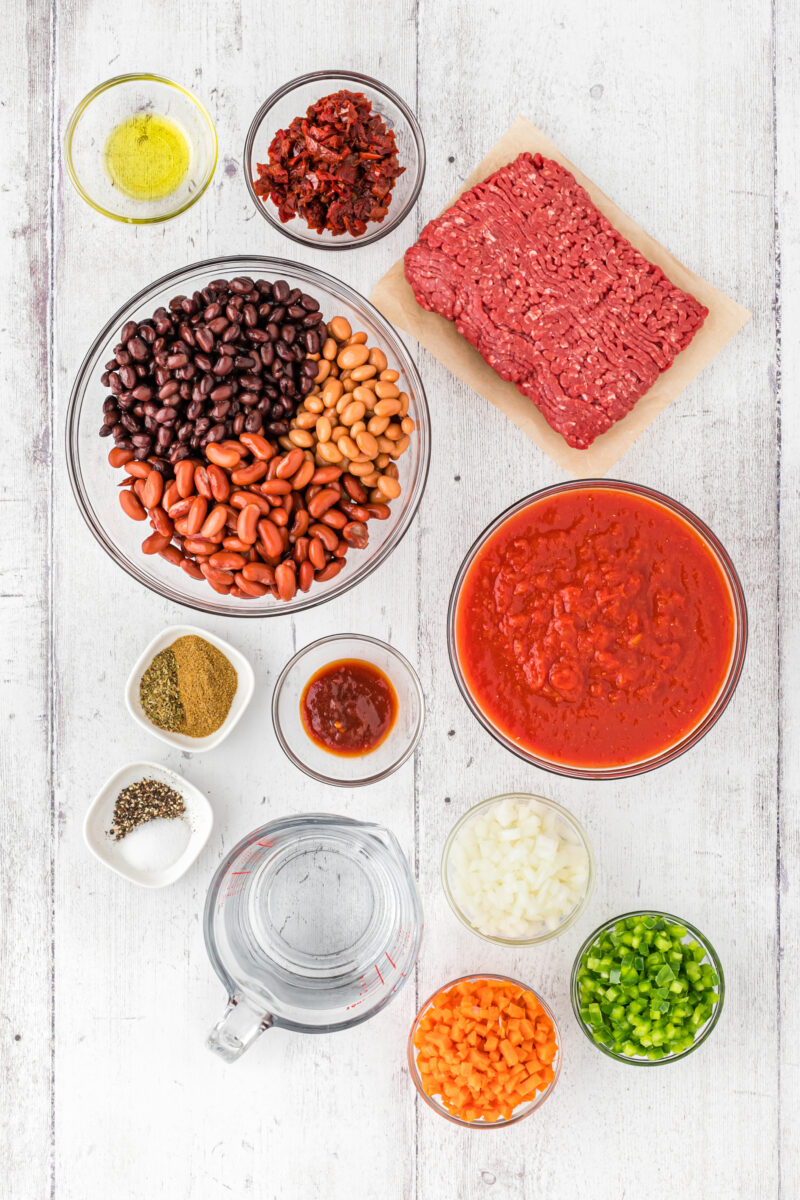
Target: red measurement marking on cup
{"points": [[377, 968], [240, 872], [393, 964], [267, 845]]}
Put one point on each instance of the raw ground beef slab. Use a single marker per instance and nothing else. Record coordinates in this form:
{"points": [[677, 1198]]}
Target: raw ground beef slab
{"points": [[552, 296]]}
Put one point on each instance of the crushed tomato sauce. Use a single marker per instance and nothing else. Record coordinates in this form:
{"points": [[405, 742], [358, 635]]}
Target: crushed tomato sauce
{"points": [[595, 628], [335, 167], [349, 707]]}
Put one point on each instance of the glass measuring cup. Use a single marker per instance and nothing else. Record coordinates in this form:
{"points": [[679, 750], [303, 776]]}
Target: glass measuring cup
{"points": [[312, 923]]}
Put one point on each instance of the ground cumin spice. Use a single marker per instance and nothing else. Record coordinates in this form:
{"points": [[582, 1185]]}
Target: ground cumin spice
{"points": [[189, 687]]}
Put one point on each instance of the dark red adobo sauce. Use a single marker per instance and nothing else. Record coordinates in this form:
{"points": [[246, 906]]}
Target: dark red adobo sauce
{"points": [[348, 707]]}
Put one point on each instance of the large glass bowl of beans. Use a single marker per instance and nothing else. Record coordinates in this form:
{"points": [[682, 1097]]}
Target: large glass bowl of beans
{"points": [[597, 629], [647, 988], [248, 436]]}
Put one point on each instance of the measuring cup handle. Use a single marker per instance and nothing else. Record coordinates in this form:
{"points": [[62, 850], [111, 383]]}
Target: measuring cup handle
{"points": [[238, 1029]]}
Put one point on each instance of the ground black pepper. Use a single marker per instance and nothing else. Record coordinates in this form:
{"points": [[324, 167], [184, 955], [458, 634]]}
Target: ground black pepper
{"points": [[141, 802]]}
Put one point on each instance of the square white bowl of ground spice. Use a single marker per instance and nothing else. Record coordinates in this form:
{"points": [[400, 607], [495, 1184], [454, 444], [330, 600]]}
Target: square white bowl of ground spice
{"points": [[148, 824], [189, 688]]}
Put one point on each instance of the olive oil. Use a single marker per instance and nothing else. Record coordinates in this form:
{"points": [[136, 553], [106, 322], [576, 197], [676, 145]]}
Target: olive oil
{"points": [[147, 156]]}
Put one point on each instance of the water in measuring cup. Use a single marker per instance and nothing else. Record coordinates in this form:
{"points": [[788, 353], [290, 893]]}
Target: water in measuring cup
{"points": [[317, 921]]}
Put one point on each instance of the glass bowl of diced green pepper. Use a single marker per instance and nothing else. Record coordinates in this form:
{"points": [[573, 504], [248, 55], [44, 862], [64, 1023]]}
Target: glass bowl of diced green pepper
{"points": [[647, 988]]}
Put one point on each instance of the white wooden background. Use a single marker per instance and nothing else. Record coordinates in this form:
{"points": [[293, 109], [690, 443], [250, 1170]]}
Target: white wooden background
{"points": [[687, 114]]}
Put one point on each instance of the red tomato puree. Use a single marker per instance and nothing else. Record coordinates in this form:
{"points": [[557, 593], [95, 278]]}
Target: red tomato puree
{"points": [[349, 707], [595, 628]]}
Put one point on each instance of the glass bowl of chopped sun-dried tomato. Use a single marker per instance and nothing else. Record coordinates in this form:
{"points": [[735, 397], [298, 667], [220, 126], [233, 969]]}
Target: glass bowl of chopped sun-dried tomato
{"points": [[334, 159]]}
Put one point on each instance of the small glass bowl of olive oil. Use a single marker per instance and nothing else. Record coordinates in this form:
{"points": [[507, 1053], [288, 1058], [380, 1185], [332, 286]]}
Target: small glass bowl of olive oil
{"points": [[140, 148]]}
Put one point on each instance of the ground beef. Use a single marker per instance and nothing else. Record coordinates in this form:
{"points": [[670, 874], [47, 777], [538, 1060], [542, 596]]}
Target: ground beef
{"points": [[552, 296]]}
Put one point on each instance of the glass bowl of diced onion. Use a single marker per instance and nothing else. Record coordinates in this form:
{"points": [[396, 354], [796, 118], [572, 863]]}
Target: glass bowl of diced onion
{"points": [[518, 869]]}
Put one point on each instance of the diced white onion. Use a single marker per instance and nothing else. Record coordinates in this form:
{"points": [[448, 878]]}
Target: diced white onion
{"points": [[517, 870]]}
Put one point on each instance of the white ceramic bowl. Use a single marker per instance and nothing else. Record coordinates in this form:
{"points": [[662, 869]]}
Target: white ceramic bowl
{"points": [[199, 817], [241, 699]]}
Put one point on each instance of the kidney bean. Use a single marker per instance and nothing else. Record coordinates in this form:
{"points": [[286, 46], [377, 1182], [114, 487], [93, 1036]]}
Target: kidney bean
{"points": [[285, 581], [132, 505], [330, 571], [171, 496], [300, 551], [247, 524], [355, 533], [161, 522], [258, 446], [214, 523], [184, 477], [276, 487], [218, 482], [250, 587], [172, 555], [305, 575], [213, 574], [118, 457], [139, 470], [259, 573], [326, 535], [196, 516], [280, 517], [316, 553], [354, 489], [381, 512], [243, 476], [153, 489], [202, 483], [222, 456], [191, 569], [303, 475], [180, 509], [270, 537], [223, 589], [335, 518], [322, 501], [300, 523], [227, 560], [156, 542], [289, 464]]}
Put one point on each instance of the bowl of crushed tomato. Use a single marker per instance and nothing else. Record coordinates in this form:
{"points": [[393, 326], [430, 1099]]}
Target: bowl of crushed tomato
{"points": [[334, 159], [597, 629]]}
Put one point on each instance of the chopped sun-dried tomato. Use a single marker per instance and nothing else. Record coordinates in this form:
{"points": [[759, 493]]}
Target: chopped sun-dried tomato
{"points": [[335, 167]]}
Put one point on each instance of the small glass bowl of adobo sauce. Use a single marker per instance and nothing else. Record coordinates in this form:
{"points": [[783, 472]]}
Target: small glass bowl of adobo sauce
{"points": [[348, 710]]}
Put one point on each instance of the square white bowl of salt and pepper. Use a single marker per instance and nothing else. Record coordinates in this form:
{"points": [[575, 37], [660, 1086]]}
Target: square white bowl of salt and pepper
{"points": [[148, 824], [214, 694]]}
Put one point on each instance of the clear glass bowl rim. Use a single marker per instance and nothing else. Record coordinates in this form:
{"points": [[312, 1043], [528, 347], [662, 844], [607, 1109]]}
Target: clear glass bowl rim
{"points": [[392, 219], [570, 820], [626, 770], [80, 109], [318, 775], [705, 1030], [237, 263], [439, 1108]]}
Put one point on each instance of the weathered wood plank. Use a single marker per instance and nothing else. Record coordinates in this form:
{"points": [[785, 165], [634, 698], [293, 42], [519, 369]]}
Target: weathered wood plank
{"points": [[27, 815]]}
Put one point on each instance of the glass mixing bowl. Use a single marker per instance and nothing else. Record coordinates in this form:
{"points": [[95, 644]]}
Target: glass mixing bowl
{"points": [[94, 481], [291, 101], [522, 1110], [571, 830], [728, 687], [704, 1030]]}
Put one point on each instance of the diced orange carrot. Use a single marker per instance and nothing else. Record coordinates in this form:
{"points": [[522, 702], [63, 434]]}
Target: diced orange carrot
{"points": [[484, 1048]]}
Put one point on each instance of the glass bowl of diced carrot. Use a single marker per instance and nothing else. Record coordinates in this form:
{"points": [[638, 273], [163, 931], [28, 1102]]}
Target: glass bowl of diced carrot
{"points": [[484, 1051]]}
